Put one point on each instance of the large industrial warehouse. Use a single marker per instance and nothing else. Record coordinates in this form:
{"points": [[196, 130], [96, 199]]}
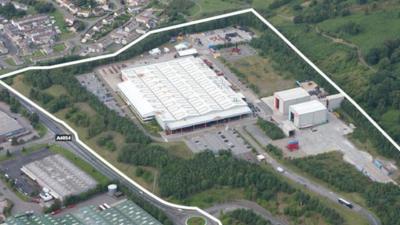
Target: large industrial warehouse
{"points": [[181, 94], [59, 176]]}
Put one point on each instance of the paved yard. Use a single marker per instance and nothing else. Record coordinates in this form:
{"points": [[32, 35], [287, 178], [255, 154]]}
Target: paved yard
{"points": [[332, 137]]}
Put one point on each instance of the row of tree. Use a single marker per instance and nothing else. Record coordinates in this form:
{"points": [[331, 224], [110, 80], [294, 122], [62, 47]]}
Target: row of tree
{"points": [[244, 217], [319, 11], [181, 178], [105, 118], [270, 129], [384, 199], [9, 11]]}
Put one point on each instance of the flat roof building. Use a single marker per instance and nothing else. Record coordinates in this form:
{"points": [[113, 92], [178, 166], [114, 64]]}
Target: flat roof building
{"points": [[181, 94], [59, 176], [308, 114], [124, 212], [286, 98], [9, 127]]}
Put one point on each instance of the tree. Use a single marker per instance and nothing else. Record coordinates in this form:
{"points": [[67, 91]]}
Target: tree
{"points": [[9, 11], [14, 141], [34, 118], [44, 7]]}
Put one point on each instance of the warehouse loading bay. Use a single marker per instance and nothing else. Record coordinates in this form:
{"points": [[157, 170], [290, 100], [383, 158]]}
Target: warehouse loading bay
{"points": [[320, 138]]}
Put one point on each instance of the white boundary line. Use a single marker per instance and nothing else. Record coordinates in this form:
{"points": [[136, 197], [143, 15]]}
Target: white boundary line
{"points": [[206, 214], [162, 30], [340, 90], [106, 56]]}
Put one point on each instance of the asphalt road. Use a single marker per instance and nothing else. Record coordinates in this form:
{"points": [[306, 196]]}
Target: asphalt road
{"points": [[178, 216], [316, 188], [244, 204]]}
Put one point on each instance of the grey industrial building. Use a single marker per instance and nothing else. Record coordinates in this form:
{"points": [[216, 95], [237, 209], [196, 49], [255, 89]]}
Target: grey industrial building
{"points": [[124, 212], [59, 176], [9, 127]]}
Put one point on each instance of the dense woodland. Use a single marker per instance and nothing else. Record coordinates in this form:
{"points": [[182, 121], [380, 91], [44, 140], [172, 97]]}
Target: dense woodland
{"points": [[205, 170], [181, 178], [384, 199], [16, 107], [10, 12], [271, 46], [243, 217], [319, 11]]}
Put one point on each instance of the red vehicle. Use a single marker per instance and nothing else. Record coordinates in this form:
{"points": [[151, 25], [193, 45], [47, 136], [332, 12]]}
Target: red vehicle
{"points": [[208, 63], [71, 206], [293, 145], [55, 212], [35, 200]]}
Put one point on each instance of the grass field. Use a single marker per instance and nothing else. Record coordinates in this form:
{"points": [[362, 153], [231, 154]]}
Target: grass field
{"points": [[212, 7], [59, 18], [209, 7], [374, 27], [41, 129], [20, 85], [347, 71], [110, 156], [196, 221], [56, 90], [59, 47], [10, 61], [261, 72], [212, 196], [350, 216]]}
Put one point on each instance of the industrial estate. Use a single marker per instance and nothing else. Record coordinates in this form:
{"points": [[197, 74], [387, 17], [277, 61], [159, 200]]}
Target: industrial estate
{"points": [[206, 115]]}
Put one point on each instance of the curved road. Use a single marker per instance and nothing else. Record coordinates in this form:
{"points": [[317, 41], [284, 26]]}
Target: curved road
{"points": [[177, 215], [314, 187], [245, 204]]}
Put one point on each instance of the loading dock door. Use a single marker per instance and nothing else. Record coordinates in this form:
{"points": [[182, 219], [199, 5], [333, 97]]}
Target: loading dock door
{"points": [[277, 103], [291, 117]]}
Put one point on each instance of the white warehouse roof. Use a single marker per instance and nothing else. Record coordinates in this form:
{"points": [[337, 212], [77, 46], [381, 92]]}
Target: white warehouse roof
{"points": [[136, 98], [307, 107], [182, 92], [290, 94]]}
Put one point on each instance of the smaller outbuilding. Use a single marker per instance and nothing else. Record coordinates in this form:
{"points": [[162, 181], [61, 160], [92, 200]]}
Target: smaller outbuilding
{"points": [[334, 101], [182, 46], [188, 52], [155, 52], [308, 114]]}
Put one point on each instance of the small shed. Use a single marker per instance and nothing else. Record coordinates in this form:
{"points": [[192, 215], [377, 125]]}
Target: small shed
{"points": [[155, 51], [181, 46], [187, 52], [334, 101]]}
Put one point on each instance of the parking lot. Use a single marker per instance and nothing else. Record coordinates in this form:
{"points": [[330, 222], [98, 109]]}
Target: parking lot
{"points": [[95, 86], [13, 170], [232, 55], [218, 139]]}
